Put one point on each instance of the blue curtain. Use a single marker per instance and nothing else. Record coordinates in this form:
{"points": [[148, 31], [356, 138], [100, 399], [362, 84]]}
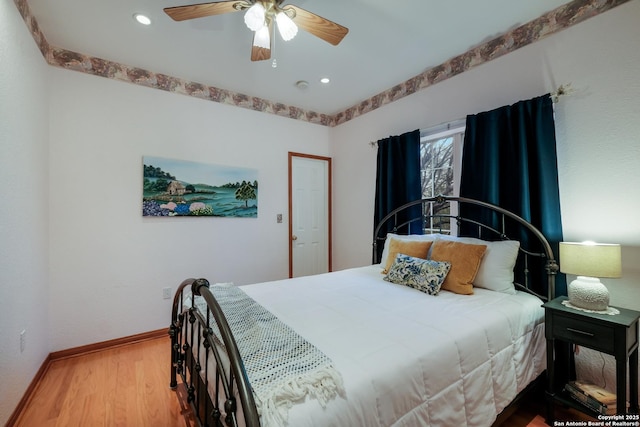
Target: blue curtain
{"points": [[398, 178], [509, 159]]}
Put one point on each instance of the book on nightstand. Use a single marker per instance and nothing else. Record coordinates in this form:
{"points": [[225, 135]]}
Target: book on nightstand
{"points": [[595, 398]]}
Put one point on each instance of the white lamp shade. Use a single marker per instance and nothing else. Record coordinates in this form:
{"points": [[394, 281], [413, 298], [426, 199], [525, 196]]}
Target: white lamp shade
{"points": [[255, 16], [591, 259], [261, 38], [288, 29]]}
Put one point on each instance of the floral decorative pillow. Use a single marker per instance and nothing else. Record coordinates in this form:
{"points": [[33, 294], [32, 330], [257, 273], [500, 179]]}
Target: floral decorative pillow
{"points": [[422, 274]]}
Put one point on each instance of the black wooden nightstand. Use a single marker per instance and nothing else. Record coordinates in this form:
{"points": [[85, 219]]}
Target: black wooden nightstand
{"points": [[611, 334]]}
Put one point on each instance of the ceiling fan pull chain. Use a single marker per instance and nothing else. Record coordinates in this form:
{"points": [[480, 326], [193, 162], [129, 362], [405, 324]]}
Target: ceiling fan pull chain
{"points": [[274, 63]]}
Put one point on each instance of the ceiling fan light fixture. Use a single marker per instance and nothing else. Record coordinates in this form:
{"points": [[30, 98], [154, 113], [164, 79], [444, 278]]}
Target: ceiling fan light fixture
{"points": [[287, 28], [261, 38], [269, 13], [255, 17]]}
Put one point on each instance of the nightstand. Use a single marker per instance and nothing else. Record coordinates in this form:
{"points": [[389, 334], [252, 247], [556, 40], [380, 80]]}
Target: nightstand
{"points": [[611, 334]]}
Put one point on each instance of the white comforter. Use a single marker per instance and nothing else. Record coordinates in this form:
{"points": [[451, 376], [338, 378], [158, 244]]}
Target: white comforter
{"points": [[408, 358]]}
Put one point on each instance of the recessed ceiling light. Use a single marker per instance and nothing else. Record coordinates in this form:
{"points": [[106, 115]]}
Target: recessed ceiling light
{"points": [[143, 19], [325, 80], [302, 84]]}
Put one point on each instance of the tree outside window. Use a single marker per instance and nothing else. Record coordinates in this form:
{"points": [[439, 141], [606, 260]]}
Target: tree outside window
{"points": [[440, 168]]}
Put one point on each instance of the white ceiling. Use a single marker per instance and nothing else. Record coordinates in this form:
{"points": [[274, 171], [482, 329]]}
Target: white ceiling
{"points": [[388, 43]]}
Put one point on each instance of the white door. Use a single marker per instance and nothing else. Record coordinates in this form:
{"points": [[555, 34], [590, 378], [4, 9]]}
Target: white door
{"points": [[310, 214]]}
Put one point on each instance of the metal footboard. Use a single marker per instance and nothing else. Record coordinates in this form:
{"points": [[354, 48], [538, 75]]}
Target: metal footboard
{"points": [[193, 347]]}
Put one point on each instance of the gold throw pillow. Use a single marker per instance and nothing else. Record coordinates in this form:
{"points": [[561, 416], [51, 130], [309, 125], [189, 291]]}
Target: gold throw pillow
{"points": [[417, 249], [465, 261]]}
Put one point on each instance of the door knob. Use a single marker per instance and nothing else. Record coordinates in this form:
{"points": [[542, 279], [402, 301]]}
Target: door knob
{"points": [[294, 237]]}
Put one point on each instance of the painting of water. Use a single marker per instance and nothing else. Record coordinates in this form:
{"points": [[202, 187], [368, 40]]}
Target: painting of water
{"points": [[184, 188]]}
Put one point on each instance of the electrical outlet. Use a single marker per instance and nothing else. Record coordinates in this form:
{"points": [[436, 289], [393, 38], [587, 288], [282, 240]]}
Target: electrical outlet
{"points": [[23, 339], [166, 293]]}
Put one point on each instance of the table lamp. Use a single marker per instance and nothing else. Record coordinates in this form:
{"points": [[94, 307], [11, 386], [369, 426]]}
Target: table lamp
{"points": [[590, 261]]}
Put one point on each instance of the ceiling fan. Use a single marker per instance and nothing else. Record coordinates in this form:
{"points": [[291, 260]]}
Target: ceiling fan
{"points": [[260, 17]]}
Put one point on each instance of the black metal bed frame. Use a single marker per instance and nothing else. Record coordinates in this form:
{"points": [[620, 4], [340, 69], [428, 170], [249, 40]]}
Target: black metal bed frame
{"points": [[192, 338], [188, 344]]}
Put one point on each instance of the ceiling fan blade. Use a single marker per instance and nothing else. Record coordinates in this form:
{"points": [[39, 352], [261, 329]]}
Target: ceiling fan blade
{"points": [[191, 11], [318, 26], [262, 53]]}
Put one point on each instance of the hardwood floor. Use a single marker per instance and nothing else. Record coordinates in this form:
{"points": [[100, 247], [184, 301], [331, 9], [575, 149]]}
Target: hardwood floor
{"points": [[129, 386], [123, 386], [531, 410]]}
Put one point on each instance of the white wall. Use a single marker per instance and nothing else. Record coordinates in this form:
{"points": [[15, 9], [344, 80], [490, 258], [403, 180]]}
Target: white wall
{"points": [[108, 263], [24, 279], [598, 137]]}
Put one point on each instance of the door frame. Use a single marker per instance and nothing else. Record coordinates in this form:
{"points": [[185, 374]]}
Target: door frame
{"points": [[329, 206]]}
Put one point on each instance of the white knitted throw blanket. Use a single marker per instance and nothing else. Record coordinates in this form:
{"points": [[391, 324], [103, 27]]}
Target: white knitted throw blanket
{"points": [[282, 367]]}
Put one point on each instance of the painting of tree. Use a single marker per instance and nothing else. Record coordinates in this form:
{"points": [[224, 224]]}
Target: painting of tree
{"points": [[246, 192]]}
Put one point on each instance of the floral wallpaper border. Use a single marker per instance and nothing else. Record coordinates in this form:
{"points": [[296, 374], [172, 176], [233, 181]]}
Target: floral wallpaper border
{"points": [[558, 19]]}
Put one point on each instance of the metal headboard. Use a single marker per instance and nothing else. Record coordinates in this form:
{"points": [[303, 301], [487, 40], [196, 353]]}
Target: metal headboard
{"points": [[505, 225]]}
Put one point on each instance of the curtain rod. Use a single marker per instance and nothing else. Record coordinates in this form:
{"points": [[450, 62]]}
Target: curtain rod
{"points": [[562, 90], [442, 127]]}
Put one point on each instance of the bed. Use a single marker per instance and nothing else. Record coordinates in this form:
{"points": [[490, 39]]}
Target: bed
{"points": [[410, 340]]}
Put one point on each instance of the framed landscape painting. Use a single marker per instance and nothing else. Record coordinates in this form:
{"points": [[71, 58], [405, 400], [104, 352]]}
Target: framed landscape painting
{"points": [[183, 188]]}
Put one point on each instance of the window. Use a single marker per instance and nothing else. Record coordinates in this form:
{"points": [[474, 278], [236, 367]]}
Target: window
{"points": [[440, 164]]}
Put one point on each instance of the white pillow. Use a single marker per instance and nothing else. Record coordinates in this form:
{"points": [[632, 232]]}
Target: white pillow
{"points": [[496, 268], [405, 237]]}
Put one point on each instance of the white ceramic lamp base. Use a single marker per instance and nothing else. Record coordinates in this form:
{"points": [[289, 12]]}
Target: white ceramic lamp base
{"points": [[588, 293]]}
